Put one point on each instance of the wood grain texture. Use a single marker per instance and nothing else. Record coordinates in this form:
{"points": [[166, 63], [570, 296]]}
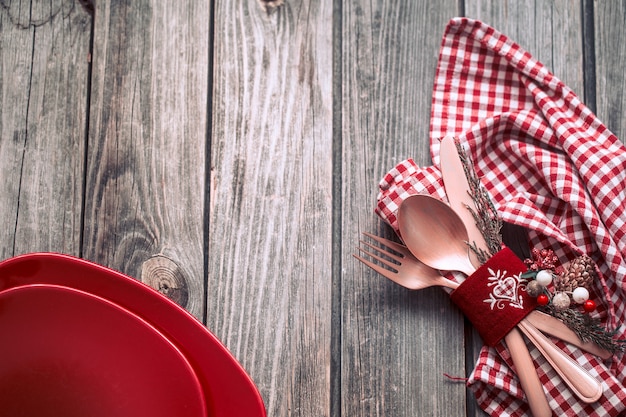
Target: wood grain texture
{"points": [[396, 345], [44, 52], [610, 48], [147, 138], [269, 289]]}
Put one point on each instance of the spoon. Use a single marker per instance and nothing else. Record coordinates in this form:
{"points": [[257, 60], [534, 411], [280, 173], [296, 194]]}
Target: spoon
{"points": [[429, 226], [436, 235]]}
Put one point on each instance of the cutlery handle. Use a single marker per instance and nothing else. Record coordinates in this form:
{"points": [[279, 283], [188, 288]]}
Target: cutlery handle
{"points": [[525, 369], [587, 388]]}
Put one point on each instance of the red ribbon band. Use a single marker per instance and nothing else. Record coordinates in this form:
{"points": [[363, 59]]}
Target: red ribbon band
{"points": [[494, 298]]}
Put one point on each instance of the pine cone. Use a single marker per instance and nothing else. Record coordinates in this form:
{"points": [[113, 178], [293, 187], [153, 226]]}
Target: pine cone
{"points": [[580, 273]]}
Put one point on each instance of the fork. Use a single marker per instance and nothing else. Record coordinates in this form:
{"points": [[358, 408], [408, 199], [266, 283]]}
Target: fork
{"points": [[407, 270]]}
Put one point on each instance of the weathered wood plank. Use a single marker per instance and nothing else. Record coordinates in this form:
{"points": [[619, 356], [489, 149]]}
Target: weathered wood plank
{"points": [[396, 344], [551, 31], [147, 138], [44, 52], [610, 48], [269, 290]]}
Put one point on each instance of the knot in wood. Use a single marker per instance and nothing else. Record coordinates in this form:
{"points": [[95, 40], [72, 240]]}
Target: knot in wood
{"points": [[269, 5], [165, 276]]}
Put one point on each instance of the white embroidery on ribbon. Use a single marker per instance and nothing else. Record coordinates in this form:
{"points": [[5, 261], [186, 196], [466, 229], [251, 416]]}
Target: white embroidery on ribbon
{"points": [[505, 290]]}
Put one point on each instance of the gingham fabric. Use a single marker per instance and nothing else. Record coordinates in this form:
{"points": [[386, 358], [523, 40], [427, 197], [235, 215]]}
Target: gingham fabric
{"points": [[549, 165]]}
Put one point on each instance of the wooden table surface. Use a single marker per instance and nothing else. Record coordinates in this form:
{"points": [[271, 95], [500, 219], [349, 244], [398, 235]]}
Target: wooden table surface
{"points": [[229, 154]]}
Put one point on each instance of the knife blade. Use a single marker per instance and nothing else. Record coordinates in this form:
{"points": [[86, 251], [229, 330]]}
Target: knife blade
{"points": [[458, 192]]}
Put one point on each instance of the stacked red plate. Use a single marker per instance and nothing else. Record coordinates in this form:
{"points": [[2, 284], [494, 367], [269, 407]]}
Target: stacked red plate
{"points": [[79, 339]]}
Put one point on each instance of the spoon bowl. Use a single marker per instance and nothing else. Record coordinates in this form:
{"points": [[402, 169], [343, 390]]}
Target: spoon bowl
{"points": [[434, 233]]}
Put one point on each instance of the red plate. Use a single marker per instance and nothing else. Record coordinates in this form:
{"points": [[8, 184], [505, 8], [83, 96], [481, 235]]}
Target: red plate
{"points": [[91, 341], [69, 353]]}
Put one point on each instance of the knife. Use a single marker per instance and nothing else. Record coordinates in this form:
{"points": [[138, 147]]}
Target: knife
{"points": [[457, 187], [584, 386]]}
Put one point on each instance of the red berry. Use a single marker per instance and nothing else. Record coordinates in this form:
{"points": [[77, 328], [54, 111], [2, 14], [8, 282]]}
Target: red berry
{"points": [[589, 306], [542, 300]]}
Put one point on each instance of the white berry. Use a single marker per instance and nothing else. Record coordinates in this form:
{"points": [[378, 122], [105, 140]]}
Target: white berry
{"points": [[580, 295], [544, 277], [560, 301]]}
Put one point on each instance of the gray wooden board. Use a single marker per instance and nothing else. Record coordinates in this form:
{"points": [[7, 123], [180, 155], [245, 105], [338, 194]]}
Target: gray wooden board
{"points": [[147, 139], [44, 53], [270, 282], [550, 31], [396, 345]]}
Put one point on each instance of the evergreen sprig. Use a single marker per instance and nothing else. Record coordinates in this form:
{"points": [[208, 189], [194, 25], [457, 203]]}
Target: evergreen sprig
{"points": [[485, 215], [489, 223], [588, 329]]}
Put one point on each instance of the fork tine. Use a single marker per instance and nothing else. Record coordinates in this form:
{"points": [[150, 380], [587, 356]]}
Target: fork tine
{"points": [[408, 271], [380, 259], [382, 271], [380, 250], [390, 244]]}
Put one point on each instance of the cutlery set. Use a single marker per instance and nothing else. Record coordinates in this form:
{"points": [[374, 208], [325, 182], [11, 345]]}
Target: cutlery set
{"points": [[437, 238]]}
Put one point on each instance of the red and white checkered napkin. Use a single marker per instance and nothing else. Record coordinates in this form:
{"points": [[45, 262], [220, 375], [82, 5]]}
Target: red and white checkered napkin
{"points": [[550, 165]]}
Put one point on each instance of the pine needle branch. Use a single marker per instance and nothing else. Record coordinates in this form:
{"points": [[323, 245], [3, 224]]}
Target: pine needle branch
{"points": [[485, 215], [588, 329]]}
